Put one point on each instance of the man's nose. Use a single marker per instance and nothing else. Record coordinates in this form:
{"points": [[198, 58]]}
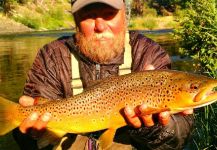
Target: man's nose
{"points": [[100, 25]]}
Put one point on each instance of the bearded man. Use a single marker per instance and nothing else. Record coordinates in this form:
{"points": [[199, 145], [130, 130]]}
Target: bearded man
{"points": [[98, 50]]}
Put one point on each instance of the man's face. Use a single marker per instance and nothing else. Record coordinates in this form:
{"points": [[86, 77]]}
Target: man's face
{"points": [[101, 32]]}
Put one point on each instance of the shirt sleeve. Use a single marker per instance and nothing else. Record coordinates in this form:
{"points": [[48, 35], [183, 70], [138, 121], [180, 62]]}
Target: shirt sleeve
{"points": [[146, 52], [49, 75]]}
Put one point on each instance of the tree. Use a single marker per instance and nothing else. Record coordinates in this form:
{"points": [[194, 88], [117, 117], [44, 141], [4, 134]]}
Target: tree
{"points": [[198, 34], [137, 7], [167, 7], [1, 3], [7, 5]]}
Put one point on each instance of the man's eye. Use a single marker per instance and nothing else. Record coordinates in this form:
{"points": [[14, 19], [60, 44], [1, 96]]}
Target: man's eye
{"points": [[109, 14], [89, 16]]}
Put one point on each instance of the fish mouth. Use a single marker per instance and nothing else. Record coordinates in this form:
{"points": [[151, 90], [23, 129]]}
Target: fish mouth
{"points": [[212, 93], [203, 98], [206, 97]]}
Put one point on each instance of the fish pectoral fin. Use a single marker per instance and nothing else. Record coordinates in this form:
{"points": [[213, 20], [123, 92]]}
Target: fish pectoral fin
{"points": [[52, 137], [153, 110], [106, 139]]}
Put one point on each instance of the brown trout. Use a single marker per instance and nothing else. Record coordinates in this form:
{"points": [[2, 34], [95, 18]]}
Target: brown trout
{"points": [[100, 106]]}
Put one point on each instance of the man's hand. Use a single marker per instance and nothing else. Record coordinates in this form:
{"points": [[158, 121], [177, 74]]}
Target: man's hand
{"points": [[136, 120], [35, 123]]}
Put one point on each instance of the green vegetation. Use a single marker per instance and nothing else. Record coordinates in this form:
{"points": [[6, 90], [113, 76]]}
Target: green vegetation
{"points": [[195, 20], [44, 18], [55, 14], [41, 15], [145, 17], [198, 36], [152, 22]]}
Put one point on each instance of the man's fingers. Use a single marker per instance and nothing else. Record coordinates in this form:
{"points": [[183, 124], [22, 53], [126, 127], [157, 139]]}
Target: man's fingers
{"points": [[149, 67], [164, 118], [132, 118], [28, 122], [188, 112], [42, 121], [35, 122], [26, 100], [147, 120]]}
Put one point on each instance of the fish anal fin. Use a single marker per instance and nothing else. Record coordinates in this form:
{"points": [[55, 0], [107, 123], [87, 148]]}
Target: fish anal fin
{"points": [[153, 110], [52, 137], [106, 139]]}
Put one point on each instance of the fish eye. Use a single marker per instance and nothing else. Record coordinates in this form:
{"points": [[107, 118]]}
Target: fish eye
{"points": [[194, 86]]}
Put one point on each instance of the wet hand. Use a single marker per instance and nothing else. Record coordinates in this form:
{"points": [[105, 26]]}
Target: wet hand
{"points": [[35, 124], [136, 120]]}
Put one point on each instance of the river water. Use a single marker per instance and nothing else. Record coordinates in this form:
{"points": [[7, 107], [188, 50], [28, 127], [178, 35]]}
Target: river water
{"points": [[17, 52]]}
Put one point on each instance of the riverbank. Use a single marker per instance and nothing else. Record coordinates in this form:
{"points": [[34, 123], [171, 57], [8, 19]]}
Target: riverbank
{"points": [[9, 26], [56, 15]]}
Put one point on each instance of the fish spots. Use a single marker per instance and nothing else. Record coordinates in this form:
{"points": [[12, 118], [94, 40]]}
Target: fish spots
{"points": [[107, 113], [102, 118], [116, 114], [126, 104], [100, 103], [93, 121]]}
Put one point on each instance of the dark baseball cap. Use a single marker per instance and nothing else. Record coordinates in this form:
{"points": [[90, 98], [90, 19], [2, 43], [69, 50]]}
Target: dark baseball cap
{"points": [[78, 4]]}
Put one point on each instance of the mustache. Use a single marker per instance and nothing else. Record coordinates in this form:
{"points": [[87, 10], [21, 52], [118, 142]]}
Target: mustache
{"points": [[103, 35], [102, 53]]}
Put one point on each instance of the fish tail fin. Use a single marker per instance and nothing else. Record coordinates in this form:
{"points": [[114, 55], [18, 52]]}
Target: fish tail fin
{"points": [[7, 115]]}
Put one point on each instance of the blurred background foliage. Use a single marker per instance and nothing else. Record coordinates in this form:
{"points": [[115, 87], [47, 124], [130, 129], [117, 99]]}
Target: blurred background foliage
{"points": [[197, 34], [39, 14], [195, 27], [55, 14]]}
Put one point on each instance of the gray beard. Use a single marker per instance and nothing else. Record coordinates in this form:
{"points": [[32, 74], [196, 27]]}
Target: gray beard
{"points": [[102, 54]]}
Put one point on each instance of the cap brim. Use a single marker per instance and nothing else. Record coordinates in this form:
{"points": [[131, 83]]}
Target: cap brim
{"points": [[78, 4]]}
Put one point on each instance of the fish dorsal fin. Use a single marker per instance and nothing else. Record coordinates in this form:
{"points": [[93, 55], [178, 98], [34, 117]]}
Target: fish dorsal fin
{"points": [[153, 110], [52, 137], [106, 139]]}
